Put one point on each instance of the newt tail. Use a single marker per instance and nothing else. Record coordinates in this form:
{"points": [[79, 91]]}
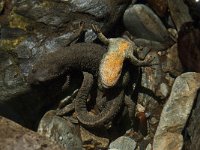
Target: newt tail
{"points": [[106, 115]]}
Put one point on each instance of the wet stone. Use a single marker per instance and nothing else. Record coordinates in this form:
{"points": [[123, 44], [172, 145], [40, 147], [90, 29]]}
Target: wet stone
{"points": [[193, 128], [179, 12], [14, 136], [31, 49], [92, 141], [1, 6], [164, 89], [176, 112], [159, 6], [5, 60], [123, 143], [13, 77], [93, 7], [60, 130], [141, 22], [44, 12], [53, 14], [150, 82], [171, 62], [90, 36]]}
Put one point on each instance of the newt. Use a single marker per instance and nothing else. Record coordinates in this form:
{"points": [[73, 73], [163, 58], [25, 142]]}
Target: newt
{"points": [[94, 59], [84, 57]]}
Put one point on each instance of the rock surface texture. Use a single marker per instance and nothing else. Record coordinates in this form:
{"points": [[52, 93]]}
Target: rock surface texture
{"points": [[176, 112], [60, 130], [14, 136]]}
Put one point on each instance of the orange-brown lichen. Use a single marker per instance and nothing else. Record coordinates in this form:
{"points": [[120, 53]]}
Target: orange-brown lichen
{"points": [[123, 46], [112, 63]]}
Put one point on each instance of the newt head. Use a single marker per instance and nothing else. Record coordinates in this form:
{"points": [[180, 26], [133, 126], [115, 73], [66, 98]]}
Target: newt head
{"points": [[112, 62]]}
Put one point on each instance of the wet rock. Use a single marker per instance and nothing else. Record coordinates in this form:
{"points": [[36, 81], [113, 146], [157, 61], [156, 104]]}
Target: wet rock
{"points": [[33, 47], [93, 7], [144, 145], [90, 36], [151, 91], [67, 13], [93, 141], [1, 6], [14, 136], [11, 84], [193, 128], [150, 83], [170, 61], [164, 89], [141, 22], [18, 101], [176, 112], [158, 46], [11, 33], [123, 143], [60, 130], [159, 6], [149, 147], [179, 12]]}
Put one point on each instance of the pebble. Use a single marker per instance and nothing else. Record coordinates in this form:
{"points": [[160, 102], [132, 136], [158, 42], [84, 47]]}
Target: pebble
{"points": [[15, 137], [60, 130], [123, 143], [179, 12], [193, 128], [143, 23]]}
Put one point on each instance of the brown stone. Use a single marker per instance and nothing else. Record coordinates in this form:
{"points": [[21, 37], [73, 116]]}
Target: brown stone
{"points": [[14, 136], [159, 6]]}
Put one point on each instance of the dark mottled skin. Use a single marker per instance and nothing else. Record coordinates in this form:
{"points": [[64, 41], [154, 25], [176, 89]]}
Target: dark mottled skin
{"points": [[78, 57], [112, 106]]}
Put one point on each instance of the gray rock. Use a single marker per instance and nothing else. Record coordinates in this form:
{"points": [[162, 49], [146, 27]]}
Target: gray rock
{"points": [[94, 7], [193, 128], [32, 48], [123, 143], [1, 6], [171, 62], [150, 90], [64, 13], [11, 33], [179, 12], [176, 112], [13, 136], [143, 23], [158, 46], [92, 140], [150, 82], [149, 147], [11, 84], [60, 130], [18, 101], [90, 36], [164, 89]]}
